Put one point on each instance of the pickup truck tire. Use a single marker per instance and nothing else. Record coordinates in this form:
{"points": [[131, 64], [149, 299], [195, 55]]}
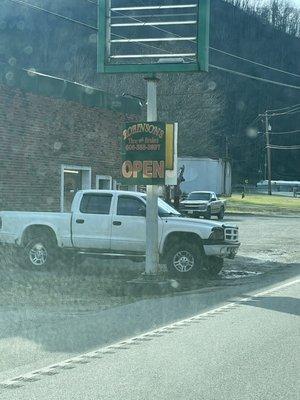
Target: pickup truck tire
{"points": [[214, 266], [184, 259], [207, 215], [221, 213], [40, 253]]}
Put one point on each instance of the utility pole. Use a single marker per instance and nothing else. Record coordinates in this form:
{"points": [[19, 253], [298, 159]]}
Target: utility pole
{"points": [[225, 163], [152, 190], [268, 154]]}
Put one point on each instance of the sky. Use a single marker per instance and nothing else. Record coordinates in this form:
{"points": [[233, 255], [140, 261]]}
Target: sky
{"points": [[293, 2]]}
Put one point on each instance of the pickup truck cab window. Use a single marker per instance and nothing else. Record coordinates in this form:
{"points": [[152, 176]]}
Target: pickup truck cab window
{"points": [[95, 203], [130, 206]]}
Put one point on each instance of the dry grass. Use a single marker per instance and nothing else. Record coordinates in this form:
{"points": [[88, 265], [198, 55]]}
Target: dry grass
{"points": [[259, 203]]}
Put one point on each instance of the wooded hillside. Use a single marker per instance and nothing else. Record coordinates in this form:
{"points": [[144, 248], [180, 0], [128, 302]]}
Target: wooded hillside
{"points": [[213, 108]]}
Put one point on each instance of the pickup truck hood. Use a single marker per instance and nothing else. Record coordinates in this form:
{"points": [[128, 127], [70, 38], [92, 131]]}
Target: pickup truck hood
{"points": [[181, 221], [193, 202]]}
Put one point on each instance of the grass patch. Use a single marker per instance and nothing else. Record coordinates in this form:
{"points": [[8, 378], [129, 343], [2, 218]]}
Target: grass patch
{"points": [[260, 203]]}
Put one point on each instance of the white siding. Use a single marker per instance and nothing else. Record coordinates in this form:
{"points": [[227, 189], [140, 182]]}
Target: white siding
{"points": [[205, 174]]}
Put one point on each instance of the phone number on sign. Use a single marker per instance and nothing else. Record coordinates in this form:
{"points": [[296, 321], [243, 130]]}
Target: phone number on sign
{"points": [[142, 147]]}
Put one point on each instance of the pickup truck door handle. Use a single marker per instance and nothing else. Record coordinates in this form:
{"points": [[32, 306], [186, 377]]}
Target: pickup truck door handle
{"points": [[80, 221], [117, 223]]}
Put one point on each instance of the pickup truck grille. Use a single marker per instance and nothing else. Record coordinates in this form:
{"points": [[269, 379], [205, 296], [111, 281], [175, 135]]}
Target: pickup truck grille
{"points": [[189, 205], [231, 234]]}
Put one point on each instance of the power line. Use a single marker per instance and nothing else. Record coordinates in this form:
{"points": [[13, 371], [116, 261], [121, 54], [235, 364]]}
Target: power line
{"points": [[276, 147], [144, 44], [254, 62], [284, 133], [213, 48], [215, 66], [291, 112], [284, 108], [254, 77], [157, 48], [24, 3]]}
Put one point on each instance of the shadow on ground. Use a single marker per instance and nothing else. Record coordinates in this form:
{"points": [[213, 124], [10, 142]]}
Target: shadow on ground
{"points": [[86, 315], [288, 305]]}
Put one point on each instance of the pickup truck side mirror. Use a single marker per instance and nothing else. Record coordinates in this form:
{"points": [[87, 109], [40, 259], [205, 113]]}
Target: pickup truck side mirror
{"points": [[213, 199], [142, 211]]}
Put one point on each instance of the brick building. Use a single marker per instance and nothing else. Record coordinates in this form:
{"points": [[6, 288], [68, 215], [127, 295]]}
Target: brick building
{"points": [[56, 137]]}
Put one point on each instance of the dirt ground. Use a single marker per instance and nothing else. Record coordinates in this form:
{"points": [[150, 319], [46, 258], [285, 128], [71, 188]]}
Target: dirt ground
{"points": [[267, 243]]}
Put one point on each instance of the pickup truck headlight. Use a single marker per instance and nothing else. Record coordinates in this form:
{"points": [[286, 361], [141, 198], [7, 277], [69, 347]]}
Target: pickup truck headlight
{"points": [[217, 234]]}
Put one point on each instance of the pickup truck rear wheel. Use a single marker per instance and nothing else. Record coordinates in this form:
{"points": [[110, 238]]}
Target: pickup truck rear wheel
{"points": [[184, 259], [40, 253]]}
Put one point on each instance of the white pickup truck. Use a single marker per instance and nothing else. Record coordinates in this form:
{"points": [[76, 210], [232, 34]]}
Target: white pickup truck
{"points": [[204, 204], [112, 224]]}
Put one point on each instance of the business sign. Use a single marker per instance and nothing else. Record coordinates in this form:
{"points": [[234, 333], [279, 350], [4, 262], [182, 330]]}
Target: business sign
{"points": [[147, 152], [153, 36]]}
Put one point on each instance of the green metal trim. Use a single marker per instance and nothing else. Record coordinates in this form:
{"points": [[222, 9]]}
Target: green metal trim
{"points": [[203, 47], [203, 34], [145, 68]]}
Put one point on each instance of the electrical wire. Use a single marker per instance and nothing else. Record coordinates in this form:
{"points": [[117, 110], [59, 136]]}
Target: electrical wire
{"points": [[24, 3], [254, 121], [157, 48], [284, 108], [254, 62], [144, 44], [291, 112], [254, 77], [213, 48], [284, 133], [277, 147]]}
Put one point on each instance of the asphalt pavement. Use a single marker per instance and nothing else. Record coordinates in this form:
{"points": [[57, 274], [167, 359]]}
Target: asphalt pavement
{"points": [[247, 349], [34, 335]]}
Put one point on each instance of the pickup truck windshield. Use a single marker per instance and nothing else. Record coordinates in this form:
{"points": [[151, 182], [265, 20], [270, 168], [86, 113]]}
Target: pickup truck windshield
{"points": [[199, 196], [165, 209]]}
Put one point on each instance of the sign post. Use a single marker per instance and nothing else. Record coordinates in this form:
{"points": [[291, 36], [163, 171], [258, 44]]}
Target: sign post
{"points": [[152, 190], [148, 39]]}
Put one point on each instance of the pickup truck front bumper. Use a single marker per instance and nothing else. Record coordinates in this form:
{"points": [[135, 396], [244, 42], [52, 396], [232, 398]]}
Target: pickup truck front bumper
{"points": [[224, 250]]}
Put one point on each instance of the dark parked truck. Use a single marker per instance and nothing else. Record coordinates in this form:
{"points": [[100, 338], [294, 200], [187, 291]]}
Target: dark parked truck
{"points": [[113, 224], [204, 204]]}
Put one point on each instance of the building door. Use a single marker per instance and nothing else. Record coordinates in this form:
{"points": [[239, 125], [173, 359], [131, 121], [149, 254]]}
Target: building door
{"points": [[73, 178], [72, 183]]}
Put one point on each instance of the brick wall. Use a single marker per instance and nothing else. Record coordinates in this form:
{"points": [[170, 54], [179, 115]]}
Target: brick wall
{"points": [[38, 134]]}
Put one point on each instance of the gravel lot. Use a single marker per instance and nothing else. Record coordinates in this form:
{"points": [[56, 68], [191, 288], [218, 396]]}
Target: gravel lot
{"points": [[267, 243]]}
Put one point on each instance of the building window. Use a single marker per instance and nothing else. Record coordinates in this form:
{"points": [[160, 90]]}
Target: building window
{"points": [[103, 182], [120, 186]]}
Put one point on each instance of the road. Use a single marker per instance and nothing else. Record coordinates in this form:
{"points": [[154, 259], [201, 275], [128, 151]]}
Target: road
{"points": [[37, 334], [247, 349]]}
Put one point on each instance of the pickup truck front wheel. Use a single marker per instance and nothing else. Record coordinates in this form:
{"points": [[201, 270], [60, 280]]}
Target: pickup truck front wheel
{"points": [[184, 259], [39, 254]]}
